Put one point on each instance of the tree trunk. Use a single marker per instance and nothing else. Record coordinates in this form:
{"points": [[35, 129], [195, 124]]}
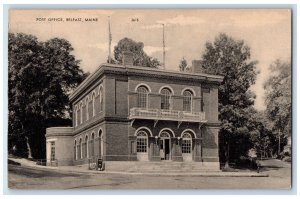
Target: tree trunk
{"points": [[227, 156], [278, 143], [28, 148]]}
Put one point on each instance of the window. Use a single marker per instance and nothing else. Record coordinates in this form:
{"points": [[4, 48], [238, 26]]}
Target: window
{"points": [[164, 134], [76, 115], [93, 104], [86, 146], [52, 151], [87, 107], [92, 144], [142, 142], [187, 101], [81, 111], [75, 150], [165, 98], [186, 143], [142, 96], [80, 148], [100, 142], [101, 98]]}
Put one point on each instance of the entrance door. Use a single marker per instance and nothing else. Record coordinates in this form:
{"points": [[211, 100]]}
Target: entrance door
{"points": [[165, 149]]}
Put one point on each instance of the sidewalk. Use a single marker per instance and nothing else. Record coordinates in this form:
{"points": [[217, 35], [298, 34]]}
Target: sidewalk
{"points": [[84, 170]]}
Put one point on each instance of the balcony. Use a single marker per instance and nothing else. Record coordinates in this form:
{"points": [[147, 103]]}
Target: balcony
{"points": [[171, 115]]}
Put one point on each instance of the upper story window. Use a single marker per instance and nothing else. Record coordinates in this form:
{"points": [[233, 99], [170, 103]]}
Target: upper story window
{"points": [[101, 98], [142, 96], [93, 103], [76, 115], [81, 112], [187, 100], [165, 98], [87, 107]]}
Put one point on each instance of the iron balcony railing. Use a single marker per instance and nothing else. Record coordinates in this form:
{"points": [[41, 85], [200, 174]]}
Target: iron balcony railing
{"points": [[160, 114]]}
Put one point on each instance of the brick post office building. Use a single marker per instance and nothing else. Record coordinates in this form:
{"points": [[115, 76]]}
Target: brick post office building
{"points": [[133, 113]]}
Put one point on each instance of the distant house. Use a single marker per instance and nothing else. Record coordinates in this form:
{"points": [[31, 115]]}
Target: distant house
{"points": [[133, 113]]}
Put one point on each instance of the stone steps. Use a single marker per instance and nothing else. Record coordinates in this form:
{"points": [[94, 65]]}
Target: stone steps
{"points": [[160, 167]]}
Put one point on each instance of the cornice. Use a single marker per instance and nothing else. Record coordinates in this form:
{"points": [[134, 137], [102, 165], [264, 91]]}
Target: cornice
{"points": [[144, 72]]}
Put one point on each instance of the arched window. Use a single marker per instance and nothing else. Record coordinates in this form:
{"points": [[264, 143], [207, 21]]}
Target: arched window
{"points": [[142, 96], [87, 107], [93, 104], [86, 147], [101, 142], [186, 143], [141, 142], [75, 150], [164, 134], [187, 101], [165, 98], [92, 144], [101, 98], [80, 148], [81, 112], [76, 115]]}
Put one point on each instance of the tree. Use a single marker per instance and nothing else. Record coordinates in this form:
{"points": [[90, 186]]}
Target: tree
{"points": [[278, 100], [260, 133], [41, 75], [182, 64], [140, 58], [231, 59]]}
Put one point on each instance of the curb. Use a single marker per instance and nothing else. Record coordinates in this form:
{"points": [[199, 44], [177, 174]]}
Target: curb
{"points": [[204, 174]]}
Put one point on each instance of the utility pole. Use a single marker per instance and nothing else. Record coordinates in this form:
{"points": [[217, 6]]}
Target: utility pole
{"points": [[164, 46], [109, 41]]}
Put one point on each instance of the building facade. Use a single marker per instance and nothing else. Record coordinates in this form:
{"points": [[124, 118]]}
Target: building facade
{"points": [[133, 113]]}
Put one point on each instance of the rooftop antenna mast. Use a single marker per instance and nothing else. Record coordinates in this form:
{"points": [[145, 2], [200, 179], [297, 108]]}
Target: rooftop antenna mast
{"points": [[164, 46], [109, 41]]}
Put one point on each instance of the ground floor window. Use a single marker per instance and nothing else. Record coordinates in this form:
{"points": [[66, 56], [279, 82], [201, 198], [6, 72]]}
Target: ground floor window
{"points": [[52, 151], [141, 142], [186, 143]]}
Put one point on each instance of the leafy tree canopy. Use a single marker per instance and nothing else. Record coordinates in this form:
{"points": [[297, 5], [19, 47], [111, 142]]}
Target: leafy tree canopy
{"points": [[278, 97], [41, 75], [231, 59], [140, 58]]}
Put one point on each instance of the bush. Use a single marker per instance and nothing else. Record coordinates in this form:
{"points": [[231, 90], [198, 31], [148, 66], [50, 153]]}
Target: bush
{"points": [[287, 159], [246, 162], [287, 153]]}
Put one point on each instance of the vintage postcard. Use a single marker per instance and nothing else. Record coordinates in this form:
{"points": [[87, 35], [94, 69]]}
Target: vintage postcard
{"points": [[149, 99]]}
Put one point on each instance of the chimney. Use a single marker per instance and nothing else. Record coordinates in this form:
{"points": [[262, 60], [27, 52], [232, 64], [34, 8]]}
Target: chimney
{"points": [[127, 58], [197, 66]]}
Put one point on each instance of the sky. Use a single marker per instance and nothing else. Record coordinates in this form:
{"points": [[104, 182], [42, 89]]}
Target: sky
{"points": [[266, 31]]}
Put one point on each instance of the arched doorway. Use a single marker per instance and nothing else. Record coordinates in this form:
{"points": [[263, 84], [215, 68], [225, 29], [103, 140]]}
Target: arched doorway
{"points": [[165, 145]]}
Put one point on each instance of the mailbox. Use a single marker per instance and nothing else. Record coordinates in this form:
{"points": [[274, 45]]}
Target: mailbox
{"points": [[100, 164]]}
